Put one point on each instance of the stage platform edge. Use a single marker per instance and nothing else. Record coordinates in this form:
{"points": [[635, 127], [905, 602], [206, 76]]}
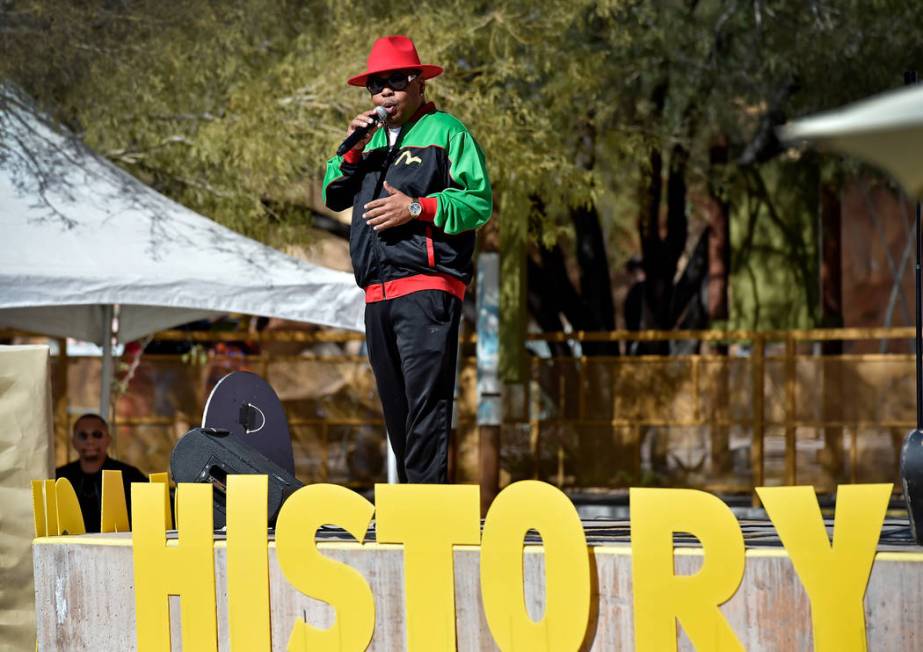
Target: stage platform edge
{"points": [[85, 601]]}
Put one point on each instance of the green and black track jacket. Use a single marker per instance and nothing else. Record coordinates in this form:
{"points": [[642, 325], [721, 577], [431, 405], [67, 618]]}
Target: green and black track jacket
{"points": [[435, 159]]}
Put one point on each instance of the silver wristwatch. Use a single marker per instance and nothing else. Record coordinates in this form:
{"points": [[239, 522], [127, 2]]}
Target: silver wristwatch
{"points": [[415, 209]]}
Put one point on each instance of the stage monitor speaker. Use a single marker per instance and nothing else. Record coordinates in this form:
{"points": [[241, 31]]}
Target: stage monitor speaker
{"points": [[247, 407], [211, 455]]}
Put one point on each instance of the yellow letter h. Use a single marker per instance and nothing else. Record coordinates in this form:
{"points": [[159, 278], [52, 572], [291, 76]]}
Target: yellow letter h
{"points": [[185, 568]]}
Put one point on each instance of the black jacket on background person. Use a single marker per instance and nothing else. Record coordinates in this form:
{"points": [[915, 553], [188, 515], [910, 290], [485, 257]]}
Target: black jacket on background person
{"points": [[89, 487]]}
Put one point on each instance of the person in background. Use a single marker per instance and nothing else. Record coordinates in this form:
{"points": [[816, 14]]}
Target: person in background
{"points": [[91, 440]]}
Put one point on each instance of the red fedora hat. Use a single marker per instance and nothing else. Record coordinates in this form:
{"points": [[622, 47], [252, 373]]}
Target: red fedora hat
{"points": [[393, 53]]}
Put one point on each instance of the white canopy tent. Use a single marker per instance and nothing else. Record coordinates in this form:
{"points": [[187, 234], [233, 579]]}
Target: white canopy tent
{"points": [[80, 236], [886, 130]]}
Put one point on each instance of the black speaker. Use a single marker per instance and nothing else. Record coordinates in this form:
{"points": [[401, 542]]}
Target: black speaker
{"points": [[912, 481], [211, 455], [247, 406]]}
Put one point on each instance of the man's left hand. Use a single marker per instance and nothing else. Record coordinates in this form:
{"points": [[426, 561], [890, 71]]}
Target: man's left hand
{"points": [[388, 212]]}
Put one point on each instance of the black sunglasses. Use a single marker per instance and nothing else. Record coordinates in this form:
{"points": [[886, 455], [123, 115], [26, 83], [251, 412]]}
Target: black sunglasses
{"points": [[96, 434], [396, 81]]}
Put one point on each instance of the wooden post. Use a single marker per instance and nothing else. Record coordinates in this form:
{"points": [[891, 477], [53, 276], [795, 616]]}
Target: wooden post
{"points": [[560, 478], [696, 387], [633, 447], [264, 364], [489, 461], [790, 412], [61, 420], [854, 455], [325, 447], [535, 428], [490, 408], [757, 364], [718, 211], [831, 282]]}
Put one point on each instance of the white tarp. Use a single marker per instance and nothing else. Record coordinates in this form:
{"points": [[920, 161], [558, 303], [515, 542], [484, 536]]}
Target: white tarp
{"points": [[886, 130], [26, 443], [78, 234]]}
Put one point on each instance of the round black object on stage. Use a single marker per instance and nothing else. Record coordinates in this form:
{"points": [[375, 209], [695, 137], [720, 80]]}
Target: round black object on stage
{"points": [[912, 480], [247, 407]]}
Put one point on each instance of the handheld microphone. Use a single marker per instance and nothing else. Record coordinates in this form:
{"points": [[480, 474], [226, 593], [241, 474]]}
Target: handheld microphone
{"points": [[381, 113]]}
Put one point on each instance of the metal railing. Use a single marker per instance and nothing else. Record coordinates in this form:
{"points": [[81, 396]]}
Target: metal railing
{"points": [[782, 349], [741, 392]]}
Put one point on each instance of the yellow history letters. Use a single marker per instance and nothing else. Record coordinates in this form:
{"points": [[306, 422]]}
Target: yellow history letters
{"points": [[834, 575], [661, 597], [429, 520], [162, 569], [248, 563], [114, 510], [164, 478], [517, 509], [70, 518], [310, 572]]}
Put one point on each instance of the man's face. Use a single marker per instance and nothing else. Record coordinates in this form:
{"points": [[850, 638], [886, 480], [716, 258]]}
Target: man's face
{"points": [[401, 104], [91, 440]]}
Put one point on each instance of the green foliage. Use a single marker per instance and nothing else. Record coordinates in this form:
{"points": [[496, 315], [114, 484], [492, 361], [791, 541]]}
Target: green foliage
{"points": [[232, 107], [774, 260]]}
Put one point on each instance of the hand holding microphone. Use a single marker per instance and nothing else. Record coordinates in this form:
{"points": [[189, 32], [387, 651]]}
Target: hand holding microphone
{"points": [[361, 129]]}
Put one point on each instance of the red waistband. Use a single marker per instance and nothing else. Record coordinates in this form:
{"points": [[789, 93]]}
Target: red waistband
{"points": [[410, 284]]}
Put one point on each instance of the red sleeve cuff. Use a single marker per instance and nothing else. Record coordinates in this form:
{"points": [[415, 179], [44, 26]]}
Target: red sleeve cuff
{"points": [[352, 157], [429, 204]]}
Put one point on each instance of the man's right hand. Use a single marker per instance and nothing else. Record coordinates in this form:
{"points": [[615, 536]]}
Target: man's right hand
{"points": [[361, 120]]}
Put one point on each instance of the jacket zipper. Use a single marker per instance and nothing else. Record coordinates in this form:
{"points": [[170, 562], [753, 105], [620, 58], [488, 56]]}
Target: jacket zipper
{"points": [[430, 249], [392, 149]]}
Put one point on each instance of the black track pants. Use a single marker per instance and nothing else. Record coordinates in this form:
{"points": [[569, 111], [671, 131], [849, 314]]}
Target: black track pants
{"points": [[413, 344]]}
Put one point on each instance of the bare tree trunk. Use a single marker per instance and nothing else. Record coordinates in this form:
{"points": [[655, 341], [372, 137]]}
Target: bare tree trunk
{"points": [[831, 292], [660, 258], [719, 236], [595, 283], [719, 248], [661, 254]]}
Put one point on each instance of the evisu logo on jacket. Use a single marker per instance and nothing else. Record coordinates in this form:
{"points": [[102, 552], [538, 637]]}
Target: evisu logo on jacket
{"points": [[407, 158]]}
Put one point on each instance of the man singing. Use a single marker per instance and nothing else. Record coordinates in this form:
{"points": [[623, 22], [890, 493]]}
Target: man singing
{"points": [[418, 189]]}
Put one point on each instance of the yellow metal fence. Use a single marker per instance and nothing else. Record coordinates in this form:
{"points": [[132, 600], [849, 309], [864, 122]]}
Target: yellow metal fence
{"points": [[746, 409], [751, 408]]}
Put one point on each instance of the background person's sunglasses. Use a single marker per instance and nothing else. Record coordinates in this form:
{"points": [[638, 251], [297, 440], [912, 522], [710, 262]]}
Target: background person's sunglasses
{"points": [[83, 436], [396, 81]]}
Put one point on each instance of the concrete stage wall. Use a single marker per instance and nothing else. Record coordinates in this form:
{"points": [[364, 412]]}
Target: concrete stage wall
{"points": [[85, 600]]}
